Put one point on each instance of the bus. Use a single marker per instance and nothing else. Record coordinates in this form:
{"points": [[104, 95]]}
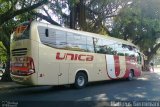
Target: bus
{"points": [[45, 54]]}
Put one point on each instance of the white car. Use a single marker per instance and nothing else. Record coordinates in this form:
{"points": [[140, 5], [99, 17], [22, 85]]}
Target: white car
{"points": [[1, 72]]}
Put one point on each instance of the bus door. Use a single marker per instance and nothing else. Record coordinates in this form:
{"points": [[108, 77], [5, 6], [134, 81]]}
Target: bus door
{"points": [[100, 68], [63, 74]]}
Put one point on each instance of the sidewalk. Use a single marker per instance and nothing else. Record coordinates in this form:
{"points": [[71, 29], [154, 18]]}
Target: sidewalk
{"points": [[157, 69], [9, 85]]}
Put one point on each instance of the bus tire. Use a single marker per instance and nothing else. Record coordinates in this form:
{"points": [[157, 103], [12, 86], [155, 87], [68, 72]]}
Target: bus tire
{"points": [[80, 80], [131, 75]]}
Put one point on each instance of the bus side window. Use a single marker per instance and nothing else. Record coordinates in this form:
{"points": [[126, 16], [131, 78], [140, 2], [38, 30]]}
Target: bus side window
{"points": [[119, 49], [99, 45], [76, 42], [60, 39], [109, 47], [90, 46]]}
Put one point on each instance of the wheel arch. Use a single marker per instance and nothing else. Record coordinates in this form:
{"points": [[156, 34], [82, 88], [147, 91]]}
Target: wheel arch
{"points": [[132, 70], [85, 71]]}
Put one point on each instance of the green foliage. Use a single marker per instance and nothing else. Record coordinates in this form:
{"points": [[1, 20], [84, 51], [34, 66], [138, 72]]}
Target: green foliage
{"points": [[127, 23], [140, 23], [133, 26], [3, 53], [73, 2]]}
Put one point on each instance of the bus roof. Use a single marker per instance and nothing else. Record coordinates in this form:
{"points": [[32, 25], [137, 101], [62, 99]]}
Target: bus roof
{"points": [[84, 33]]}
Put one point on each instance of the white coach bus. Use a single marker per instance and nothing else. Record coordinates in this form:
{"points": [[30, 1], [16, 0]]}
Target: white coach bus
{"points": [[44, 54]]}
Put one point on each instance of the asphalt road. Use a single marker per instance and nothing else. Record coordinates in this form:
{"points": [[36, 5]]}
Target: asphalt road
{"points": [[144, 88]]}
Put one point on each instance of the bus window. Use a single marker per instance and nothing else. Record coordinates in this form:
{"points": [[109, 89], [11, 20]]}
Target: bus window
{"points": [[90, 46], [99, 45], [109, 47], [80, 42], [22, 32], [119, 49], [76, 42], [60, 39], [56, 38]]}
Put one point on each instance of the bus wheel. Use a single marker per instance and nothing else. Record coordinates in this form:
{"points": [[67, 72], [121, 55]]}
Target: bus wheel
{"points": [[130, 76], [80, 80]]}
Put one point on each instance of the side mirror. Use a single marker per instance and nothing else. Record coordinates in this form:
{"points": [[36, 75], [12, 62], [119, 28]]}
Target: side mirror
{"points": [[46, 32]]}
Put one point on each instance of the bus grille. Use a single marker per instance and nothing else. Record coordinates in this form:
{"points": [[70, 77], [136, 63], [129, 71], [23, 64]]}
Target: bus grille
{"points": [[19, 52]]}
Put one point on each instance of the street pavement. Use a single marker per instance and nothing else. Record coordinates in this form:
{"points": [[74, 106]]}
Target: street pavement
{"points": [[10, 85], [144, 88]]}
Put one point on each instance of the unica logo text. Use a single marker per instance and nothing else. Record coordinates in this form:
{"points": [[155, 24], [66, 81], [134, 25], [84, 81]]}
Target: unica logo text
{"points": [[71, 56]]}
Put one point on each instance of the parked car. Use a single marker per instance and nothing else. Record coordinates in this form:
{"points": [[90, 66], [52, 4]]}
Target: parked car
{"points": [[1, 72]]}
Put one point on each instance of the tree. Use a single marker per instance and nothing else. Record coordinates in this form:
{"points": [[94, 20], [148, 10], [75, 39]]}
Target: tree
{"points": [[140, 23], [3, 53], [9, 19], [86, 15], [99, 14]]}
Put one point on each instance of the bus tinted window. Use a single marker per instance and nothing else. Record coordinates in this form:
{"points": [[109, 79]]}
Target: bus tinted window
{"points": [[104, 46], [60, 39], [55, 39], [46, 40], [99, 45], [76, 42], [90, 46], [65, 40], [109, 47], [22, 32], [119, 49]]}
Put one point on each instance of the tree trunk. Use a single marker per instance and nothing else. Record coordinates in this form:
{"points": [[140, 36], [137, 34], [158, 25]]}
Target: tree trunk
{"points": [[150, 56], [73, 17], [146, 65], [6, 76], [81, 14], [147, 62]]}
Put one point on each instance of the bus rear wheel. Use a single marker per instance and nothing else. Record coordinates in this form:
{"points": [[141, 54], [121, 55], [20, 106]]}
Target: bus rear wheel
{"points": [[80, 80]]}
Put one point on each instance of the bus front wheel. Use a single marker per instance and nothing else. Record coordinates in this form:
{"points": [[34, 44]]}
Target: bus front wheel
{"points": [[80, 80]]}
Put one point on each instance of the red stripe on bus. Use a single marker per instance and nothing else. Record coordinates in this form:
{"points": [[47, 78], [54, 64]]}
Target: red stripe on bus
{"points": [[117, 65]]}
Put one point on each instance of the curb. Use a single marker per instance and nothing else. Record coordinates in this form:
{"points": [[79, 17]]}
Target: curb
{"points": [[10, 85]]}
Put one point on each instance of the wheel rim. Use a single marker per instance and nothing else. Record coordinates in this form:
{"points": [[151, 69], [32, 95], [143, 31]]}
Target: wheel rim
{"points": [[80, 80]]}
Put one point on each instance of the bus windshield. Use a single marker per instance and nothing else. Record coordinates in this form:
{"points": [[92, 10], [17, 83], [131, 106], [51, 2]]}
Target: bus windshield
{"points": [[21, 32]]}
